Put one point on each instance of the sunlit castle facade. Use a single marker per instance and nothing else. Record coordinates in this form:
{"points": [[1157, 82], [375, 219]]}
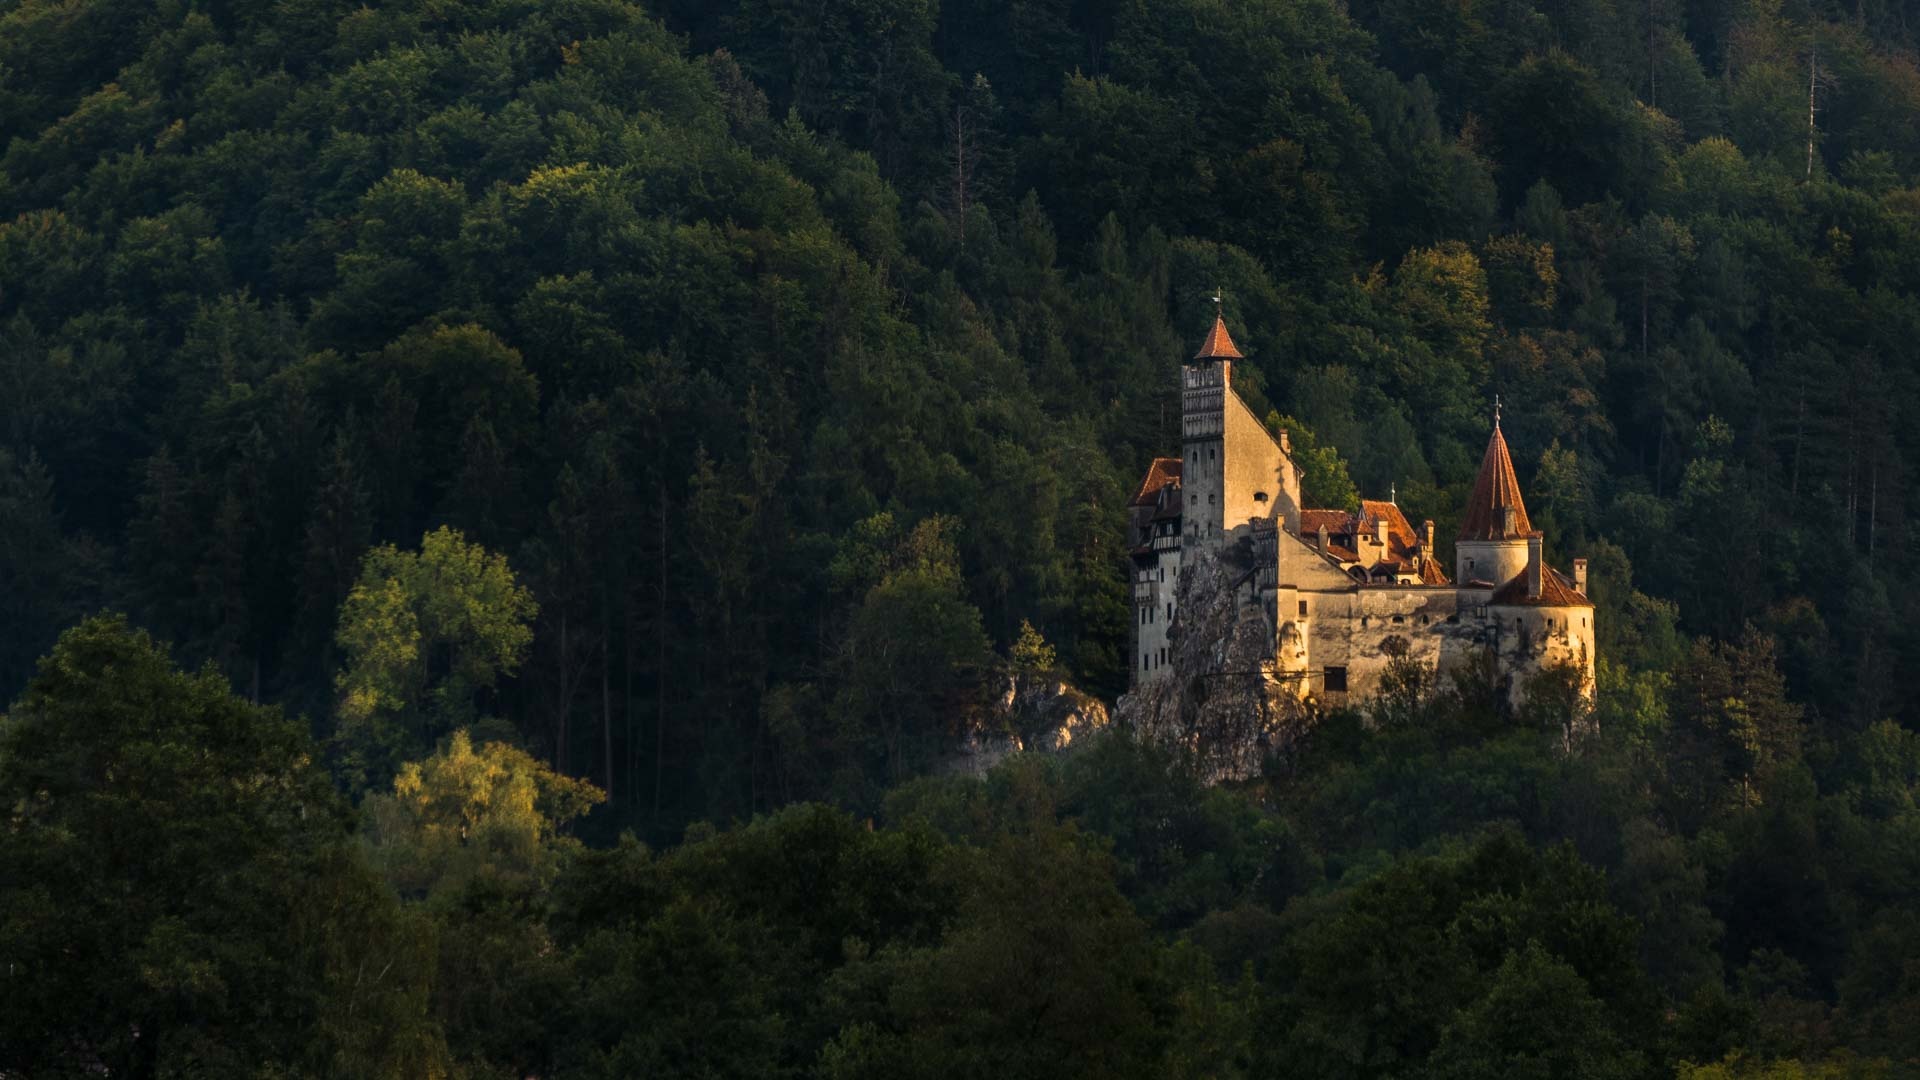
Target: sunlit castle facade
{"points": [[1343, 592]]}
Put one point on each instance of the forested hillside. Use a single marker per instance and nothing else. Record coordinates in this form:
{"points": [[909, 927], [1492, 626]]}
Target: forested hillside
{"points": [[564, 436]]}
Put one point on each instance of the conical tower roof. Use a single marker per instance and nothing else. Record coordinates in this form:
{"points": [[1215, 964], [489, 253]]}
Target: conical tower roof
{"points": [[1219, 344], [1494, 490]]}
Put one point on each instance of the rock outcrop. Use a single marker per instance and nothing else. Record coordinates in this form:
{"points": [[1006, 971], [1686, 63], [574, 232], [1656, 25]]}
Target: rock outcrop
{"points": [[1037, 711], [1220, 704]]}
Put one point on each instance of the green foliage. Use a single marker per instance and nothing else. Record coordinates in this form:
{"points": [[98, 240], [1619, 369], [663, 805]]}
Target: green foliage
{"points": [[424, 633], [182, 896], [1045, 971], [465, 813], [1031, 652], [1431, 960]]}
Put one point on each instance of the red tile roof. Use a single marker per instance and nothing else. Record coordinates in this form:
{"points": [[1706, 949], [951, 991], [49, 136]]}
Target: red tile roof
{"points": [[1402, 541], [1495, 489], [1398, 529], [1163, 471], [1336, 521], [1555, 591], [1219, 344]]}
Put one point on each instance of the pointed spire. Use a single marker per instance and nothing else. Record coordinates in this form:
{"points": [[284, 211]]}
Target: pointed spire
{"points": [[1219, 344], [1495, 510]]}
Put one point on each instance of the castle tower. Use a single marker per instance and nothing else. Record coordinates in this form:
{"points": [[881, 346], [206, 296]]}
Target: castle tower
{"points": [[1205, 382], [1233, 471], [1494, 536]]}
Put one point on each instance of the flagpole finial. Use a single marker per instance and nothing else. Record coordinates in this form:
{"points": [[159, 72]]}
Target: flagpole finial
{"points": [[1496, 412]]}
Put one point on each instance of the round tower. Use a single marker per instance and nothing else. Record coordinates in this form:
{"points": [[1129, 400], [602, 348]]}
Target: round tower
{"points": [[1495, 533]]}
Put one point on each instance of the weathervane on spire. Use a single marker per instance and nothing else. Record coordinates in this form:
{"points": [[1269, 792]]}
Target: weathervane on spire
{"points": [[1219, 301]]}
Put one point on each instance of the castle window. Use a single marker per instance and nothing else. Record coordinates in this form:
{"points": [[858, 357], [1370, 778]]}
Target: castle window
{"points": [[1336, 680], [1169, 611], [1303, 607], [1397, 620], [1259, 496], [1144, 666]]}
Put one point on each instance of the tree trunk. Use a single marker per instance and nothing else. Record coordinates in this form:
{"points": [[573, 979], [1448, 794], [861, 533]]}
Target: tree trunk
{"points": [[1653, 62], [606, 697], [560, 721], [1813, 79], [631, 764], [660, 667]]}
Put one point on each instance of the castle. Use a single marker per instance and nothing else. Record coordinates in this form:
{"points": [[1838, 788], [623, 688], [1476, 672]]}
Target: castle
{"points": [[1340, 594]]}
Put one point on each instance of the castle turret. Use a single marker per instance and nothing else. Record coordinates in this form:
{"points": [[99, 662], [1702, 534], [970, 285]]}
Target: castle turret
{"points": [[1493, 544]]}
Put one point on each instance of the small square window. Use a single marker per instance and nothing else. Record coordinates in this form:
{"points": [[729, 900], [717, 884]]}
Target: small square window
{"points": [[1336, 680]]}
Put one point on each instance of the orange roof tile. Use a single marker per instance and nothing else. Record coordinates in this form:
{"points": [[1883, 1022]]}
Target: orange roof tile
{"points": [[1336, 521], [1555, 591], [1163, 471], [1219, 344], [1399, 530], [1495, 489], [1402, 541]]}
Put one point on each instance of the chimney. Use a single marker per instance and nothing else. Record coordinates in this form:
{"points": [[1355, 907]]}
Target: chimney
{"points": [[1286, 443], [1509, 521], [1323, 538], [1427, 531], [1580, 576], [1380, 531], [1534, 568]]}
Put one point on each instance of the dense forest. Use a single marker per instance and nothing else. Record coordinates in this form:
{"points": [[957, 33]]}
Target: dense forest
{"points": [[504, 506]]}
